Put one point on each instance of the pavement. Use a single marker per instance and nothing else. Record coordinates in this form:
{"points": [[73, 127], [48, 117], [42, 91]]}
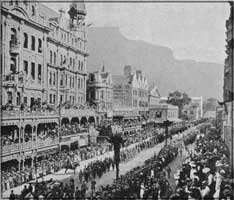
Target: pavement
{"points": [[107, 178]]}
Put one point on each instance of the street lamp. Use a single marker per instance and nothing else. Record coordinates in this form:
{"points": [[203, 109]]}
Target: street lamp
{"points": [[116, 140], [166, 123]]}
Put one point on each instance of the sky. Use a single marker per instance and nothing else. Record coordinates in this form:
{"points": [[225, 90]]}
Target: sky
{"points": [[192, 30]]}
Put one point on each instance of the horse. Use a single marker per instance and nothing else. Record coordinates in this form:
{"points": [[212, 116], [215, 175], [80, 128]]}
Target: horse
{"points": [[73, 166]]}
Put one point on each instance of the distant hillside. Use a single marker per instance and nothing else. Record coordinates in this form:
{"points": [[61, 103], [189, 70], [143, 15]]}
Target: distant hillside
{"points": [[157, 62]]}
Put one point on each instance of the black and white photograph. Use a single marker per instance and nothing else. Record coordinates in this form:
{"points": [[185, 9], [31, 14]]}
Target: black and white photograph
{"points": [[117, 100]]}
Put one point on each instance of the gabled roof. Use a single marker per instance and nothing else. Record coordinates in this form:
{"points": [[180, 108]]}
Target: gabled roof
{"points": [[120, 79]]}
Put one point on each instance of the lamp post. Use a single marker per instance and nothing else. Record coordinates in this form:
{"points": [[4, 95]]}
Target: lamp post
{"points": [[116, 140], [166, 123]]}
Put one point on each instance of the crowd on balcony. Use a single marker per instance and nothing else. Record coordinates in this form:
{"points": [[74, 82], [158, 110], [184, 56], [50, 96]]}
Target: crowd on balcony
{"points": [[68, 129]]}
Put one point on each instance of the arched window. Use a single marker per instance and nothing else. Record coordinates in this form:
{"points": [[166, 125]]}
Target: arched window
{"points": [[32, 43], [25, 40], [39, 45], [13, 40], [51, 57], [54, 58]]}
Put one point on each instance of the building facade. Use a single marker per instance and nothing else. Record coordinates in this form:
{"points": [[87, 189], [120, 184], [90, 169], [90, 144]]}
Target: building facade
{"points": [[100, 92], [43, 66], [194, 110], [131, 90], [228, 89]]}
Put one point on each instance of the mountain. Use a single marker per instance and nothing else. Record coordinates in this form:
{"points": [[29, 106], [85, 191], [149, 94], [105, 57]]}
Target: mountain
{"points": [[107, 45]]}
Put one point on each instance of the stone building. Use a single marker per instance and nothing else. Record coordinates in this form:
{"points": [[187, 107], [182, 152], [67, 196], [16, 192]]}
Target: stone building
{"points": [[100, 92], [228, 89], [131, 90], [43, 67]]}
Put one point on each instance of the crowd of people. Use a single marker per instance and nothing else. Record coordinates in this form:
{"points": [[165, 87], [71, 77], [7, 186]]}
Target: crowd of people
{"points": [[57, 161], [146, 182], [205, 172]]}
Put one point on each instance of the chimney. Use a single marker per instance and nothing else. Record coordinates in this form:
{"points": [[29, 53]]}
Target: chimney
{"points": [[127, 70]]}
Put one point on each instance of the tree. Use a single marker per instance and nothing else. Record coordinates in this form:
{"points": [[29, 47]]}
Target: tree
{"points": [[178, 99]]}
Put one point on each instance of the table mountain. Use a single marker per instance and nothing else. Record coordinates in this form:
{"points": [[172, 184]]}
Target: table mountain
{"points": [[108, 45]]}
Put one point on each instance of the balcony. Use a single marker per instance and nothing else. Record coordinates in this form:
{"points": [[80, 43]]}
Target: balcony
{"points": [[14, 47], [14, 148], [8, 114], [9, 81], [47, 142]]}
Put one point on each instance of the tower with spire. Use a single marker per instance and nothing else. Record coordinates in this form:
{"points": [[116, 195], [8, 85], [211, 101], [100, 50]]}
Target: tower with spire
{"points": [[77, 14]]}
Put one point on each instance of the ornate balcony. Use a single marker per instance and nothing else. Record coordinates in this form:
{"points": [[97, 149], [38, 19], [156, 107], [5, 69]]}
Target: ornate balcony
{"points": [[9, 81], [14, 47]]}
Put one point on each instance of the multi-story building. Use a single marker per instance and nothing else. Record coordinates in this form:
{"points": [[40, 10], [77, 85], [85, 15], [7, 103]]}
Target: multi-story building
{"points": [[100, 92], [153, 96], [131, 90], [194, 110], [43, 66], [228, 89]]}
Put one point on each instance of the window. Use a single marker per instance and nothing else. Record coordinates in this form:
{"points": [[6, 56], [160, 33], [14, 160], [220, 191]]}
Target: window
{"points": [[26, 67], [54, 58], [9, 97], [13, 40], [78, 83], [25, 100], [54, 79], [81, 83], [73, 64], [61, 80], [39, 72], [78, 65], [70, 82], [18, 99], [32, 43], [33, 70], [61, 59], [50, 98], [61, 98], [54, 98], [51, 57], [102, 94], [81, 66], [70, 62], [39, 45], [25, 40], [50, 78], [33, 10], [66, 79]]}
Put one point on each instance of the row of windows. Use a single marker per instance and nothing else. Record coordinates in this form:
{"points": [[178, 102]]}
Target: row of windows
{"points": [[33, 43], [67, 37], [32, 70], [63, 60], [65, 80], [71, 99]]}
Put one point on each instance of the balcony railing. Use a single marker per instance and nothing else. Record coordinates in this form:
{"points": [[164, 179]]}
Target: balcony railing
{"points": [[13, 148], [19, 114], [14, 47]]}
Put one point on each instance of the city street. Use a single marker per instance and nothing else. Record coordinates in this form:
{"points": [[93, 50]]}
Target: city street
{"points": [[107, 178]]}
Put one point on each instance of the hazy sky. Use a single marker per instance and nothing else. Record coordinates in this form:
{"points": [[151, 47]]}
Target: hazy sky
{"points": [[192, 30]]}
